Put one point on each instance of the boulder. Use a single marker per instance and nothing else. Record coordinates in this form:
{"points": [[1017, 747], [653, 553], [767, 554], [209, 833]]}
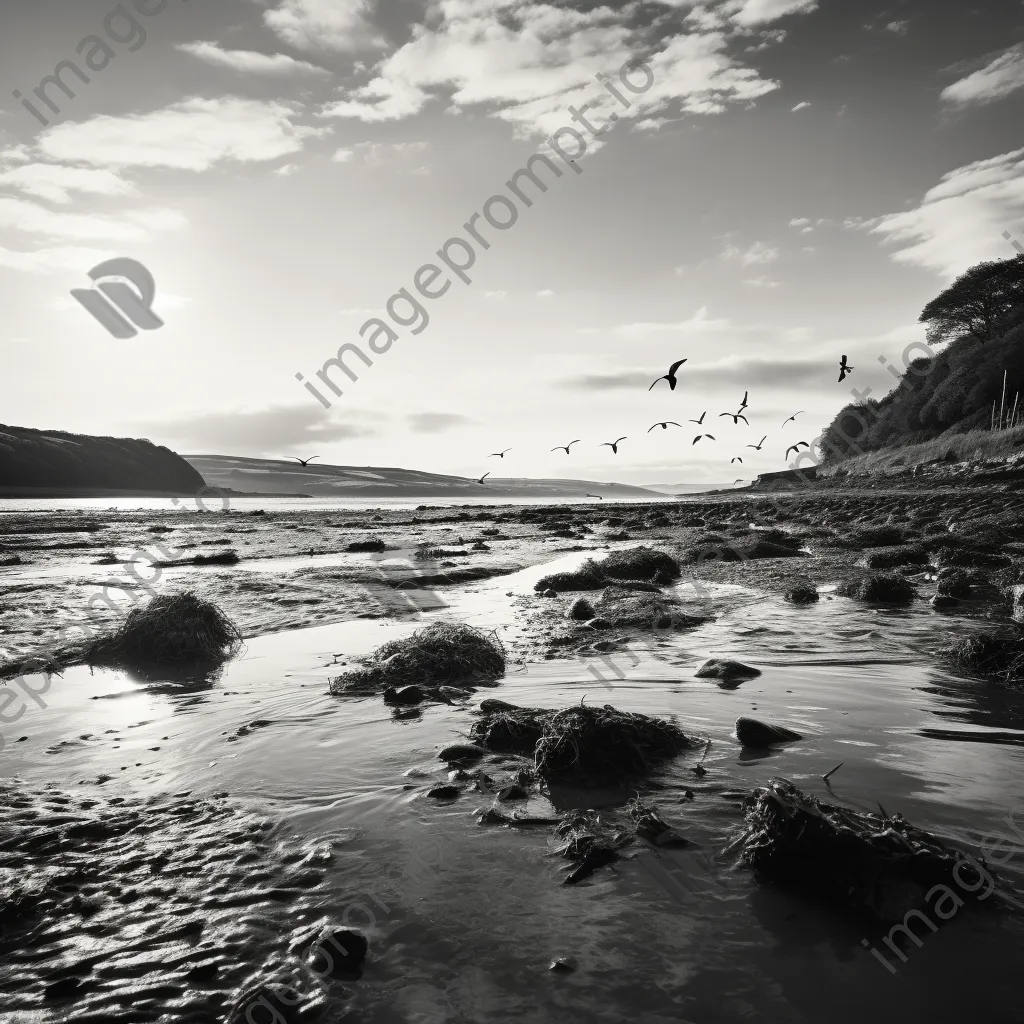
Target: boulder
{"points": [[444, 792], [336, 952], [802, 593], [404, 695], [752, 733], [460, 752], [598, 623], [726, 670]]}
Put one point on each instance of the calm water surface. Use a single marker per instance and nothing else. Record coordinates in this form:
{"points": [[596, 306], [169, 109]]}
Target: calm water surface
{"points": [[465, 926]]}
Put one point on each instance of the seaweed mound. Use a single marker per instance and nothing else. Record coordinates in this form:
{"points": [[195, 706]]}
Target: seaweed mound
{"points": [[582, 744], [588, 576], [172, 631], [868, 864], [996, 652], [641, 563], [443, 653], [879, 588]]}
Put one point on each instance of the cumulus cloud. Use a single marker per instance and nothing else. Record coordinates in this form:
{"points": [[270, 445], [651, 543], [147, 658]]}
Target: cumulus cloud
{"points": [[191, 135], [758, 253], [960, 221], [382, 154], [341, 25], [249, 61], [698, 324], [527, 62], [998, 78], [267, 431], [22, 215]]}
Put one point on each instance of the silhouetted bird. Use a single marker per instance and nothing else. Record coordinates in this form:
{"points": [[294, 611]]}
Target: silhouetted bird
{"points": [[670, 376], [700, 422], [737, 459], [598, 496], [757, 447], [844, 369], [304, 462], [735, 417], [699, 436], [565, 447], [483, 478], [795, 448], [793, 417], [500, 455], [614, 445], [743, 404], [664, 425]]}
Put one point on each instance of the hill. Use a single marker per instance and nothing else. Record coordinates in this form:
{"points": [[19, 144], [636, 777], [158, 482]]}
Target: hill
{"points": [[953, 392], [273, 476], [51, 461]]}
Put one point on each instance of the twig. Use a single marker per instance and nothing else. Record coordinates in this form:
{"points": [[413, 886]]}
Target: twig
{"points": [[833, 771], [707, 747]]}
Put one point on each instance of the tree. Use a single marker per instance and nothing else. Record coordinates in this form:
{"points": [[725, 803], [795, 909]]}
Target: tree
{"points": [[981, 303]]}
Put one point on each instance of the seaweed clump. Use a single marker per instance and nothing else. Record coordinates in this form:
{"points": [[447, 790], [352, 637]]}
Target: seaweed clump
{"points": [[877, 865], [997, 652], [443, 653], [173, 631], [639, 564], [879, 588], [581, 744]]}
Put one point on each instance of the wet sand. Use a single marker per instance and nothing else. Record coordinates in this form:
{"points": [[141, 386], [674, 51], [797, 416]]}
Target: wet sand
{"points": [[464, 919]]}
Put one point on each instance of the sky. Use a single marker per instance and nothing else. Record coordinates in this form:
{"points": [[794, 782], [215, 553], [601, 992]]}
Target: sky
{"points": [[784, 182]]}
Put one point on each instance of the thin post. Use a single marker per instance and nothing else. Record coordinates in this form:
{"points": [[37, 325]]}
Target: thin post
{"points": [[1002, 401]]}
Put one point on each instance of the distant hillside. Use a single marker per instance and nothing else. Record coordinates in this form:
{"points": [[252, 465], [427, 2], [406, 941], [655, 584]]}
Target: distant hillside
{"points": [[59, 463], [272, 476], [956, 394]]}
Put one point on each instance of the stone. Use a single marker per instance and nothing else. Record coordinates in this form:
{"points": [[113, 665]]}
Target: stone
{"points": [[598, 623], [444, 792], [726, 670], [459, 752], [337, 952], [752, 733], [406, 695]]}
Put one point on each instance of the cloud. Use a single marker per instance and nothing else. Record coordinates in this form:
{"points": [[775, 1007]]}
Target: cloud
{"points": [[60, 258], [800, 106], [499, 294], [739, 371], [999, 78], [697, 324], [382, 154], [898, 28], [757, 254], [960, 221], [342, 25], [249, 61], [545, 293], [761, 281], [55, 182], [22, 215], [191, 135], [527, 62], [269, 431], [435, 422]]}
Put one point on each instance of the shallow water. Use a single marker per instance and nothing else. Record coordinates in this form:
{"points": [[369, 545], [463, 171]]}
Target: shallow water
{"points": [[468, 917]]}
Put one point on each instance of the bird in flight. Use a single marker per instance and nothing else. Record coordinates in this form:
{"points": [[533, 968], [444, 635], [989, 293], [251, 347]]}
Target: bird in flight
{"points": [[304, 462], [484, 477], [565, 447], [699, 422], [670, 376], [699, 436], [737, 459], [793, 417], [795, 448], [500, 455], [844, 369], [757, 447], [736, 417], [664, 425], [743, 404], [614, 445], [598, 496]]}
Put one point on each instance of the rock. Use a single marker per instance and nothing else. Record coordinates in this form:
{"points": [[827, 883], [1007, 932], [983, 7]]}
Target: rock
{"points": [[460, 752], [605, 645], [802, 594], [444, 792], [406, 695], [491, 704], [752, 733], [1017, 593], [550, 593], [953, 583], [581, 610], [598, 623], [726, 670], [513, 792], [563, 964], [943, 601], [337, 952]]}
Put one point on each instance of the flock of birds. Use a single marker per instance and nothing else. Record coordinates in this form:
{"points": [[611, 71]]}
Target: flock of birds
{"points": [[672, 377]]}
